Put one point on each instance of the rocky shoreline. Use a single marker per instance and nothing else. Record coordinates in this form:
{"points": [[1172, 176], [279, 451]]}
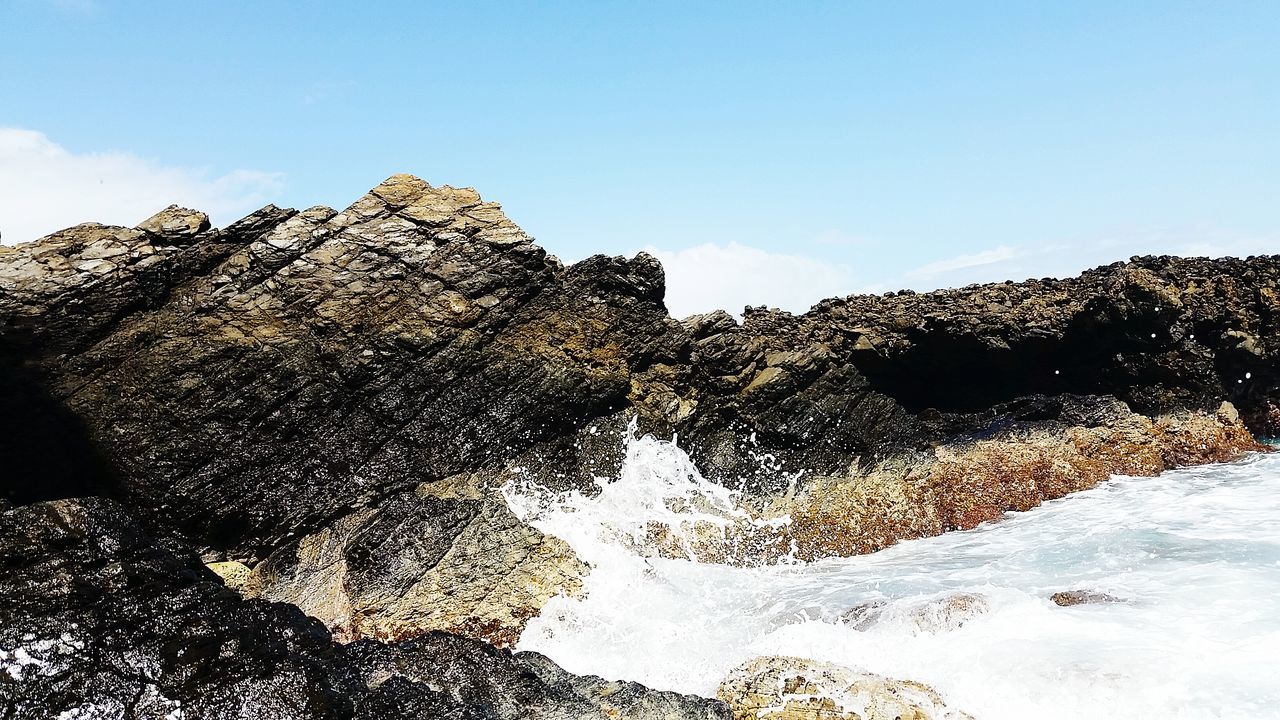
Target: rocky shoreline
{"points": [[322, 405]]}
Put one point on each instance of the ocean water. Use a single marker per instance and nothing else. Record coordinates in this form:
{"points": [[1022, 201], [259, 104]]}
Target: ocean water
{"points": [[1190, 561]]}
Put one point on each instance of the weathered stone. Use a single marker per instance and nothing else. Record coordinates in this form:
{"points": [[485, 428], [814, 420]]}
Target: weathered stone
{"points": [[277, 392], [787, 688], [176, 224], [383, 573], [234, 574]]}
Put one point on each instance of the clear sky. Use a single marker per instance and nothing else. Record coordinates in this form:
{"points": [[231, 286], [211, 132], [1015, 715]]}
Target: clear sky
{"points": [[770, 153]]}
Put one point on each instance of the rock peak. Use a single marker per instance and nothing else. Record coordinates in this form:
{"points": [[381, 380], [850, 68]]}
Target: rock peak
{"points": [[440, 209], [176, 223]]}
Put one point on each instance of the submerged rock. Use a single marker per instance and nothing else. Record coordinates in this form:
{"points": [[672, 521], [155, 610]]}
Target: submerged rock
{"points": [[944, 613], [1067, 598], [788, 688]]}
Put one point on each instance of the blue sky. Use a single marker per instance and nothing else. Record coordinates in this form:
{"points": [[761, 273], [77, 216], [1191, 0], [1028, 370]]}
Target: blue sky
{"points": [[770, 153]]}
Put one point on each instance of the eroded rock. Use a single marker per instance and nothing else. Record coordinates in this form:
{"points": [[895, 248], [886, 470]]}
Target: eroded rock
{"points": [[788, 688], [418, 563]]}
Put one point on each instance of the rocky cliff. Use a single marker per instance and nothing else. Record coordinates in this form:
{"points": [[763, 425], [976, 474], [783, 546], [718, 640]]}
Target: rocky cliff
{"points": [[322, 404]]}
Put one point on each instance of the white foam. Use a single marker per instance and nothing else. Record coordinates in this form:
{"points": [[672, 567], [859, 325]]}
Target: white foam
{"points": [[1194, 553]]}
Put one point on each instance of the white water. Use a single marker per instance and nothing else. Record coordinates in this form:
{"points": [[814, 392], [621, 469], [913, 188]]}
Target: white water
{"points": [[1195, 553]]}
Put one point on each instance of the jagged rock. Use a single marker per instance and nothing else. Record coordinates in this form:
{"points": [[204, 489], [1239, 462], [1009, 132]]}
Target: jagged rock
{"points": [[293, 378], [176, 224], [787, 688], [382, 573], [99, 620]]}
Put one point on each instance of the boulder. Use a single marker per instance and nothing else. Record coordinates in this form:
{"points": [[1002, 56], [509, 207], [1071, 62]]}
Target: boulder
{"points": [[788, 688]]}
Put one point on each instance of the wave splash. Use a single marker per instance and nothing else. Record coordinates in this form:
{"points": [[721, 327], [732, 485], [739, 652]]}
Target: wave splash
{"points": [[1178, 579], [659, 505]]}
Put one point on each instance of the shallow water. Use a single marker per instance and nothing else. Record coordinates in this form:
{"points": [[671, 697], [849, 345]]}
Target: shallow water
{"points": [[1194, 556]]}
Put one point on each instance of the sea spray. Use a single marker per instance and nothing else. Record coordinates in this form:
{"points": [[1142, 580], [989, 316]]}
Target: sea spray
{"points": [[1191, 559], [658, 505]]}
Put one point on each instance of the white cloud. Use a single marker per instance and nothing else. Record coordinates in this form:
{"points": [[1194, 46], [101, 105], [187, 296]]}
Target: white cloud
{"points": [[44, 188], [1002, 254], [730, 277], [1062, 260]]}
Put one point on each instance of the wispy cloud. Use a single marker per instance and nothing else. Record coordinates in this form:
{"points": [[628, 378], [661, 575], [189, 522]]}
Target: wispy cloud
{"points": [[732, 276], [1019, 262], [45, 187], [1000, 254]]}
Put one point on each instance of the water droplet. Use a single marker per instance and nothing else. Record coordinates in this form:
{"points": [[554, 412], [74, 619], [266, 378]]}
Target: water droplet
{"points": [[1057, 372], [1153, 334], [1248, 375]]}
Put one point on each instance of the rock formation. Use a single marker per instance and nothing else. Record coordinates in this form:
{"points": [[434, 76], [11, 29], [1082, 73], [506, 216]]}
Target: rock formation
{"points": [[787, 688], [320, 405], [99, 620]]}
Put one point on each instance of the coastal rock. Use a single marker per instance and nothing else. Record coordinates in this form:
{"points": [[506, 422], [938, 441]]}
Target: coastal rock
{"points": [[418, 563], [176, 224], [97, 619], [1068, 598], [933, 615], [788, 688], [1018, 465], [277, 392]]}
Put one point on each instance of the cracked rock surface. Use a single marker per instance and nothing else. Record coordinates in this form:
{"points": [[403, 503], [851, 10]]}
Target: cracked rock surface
{"points": [[320, 404]]}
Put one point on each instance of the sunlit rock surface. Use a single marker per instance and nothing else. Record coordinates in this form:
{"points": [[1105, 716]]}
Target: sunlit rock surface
{"points": [[787, 688], [323, 404]]}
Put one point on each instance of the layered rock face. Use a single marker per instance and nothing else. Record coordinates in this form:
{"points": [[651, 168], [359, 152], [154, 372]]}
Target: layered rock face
{"points": [[321, 404]]}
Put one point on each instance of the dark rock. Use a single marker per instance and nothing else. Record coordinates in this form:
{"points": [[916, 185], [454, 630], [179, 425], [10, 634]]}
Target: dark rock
{"points": [[420, 335], [95, 616]]}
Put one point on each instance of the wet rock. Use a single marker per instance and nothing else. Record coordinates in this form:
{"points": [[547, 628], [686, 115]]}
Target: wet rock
{"points": [[1068, 598], [945, 613], [977, 478], [787, 688], [863, 615], [97, 619], [234, 574]]}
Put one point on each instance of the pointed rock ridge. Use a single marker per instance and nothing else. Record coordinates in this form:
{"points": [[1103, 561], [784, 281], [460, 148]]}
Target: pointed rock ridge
{"points": [[444, 209], [176, 224]]}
